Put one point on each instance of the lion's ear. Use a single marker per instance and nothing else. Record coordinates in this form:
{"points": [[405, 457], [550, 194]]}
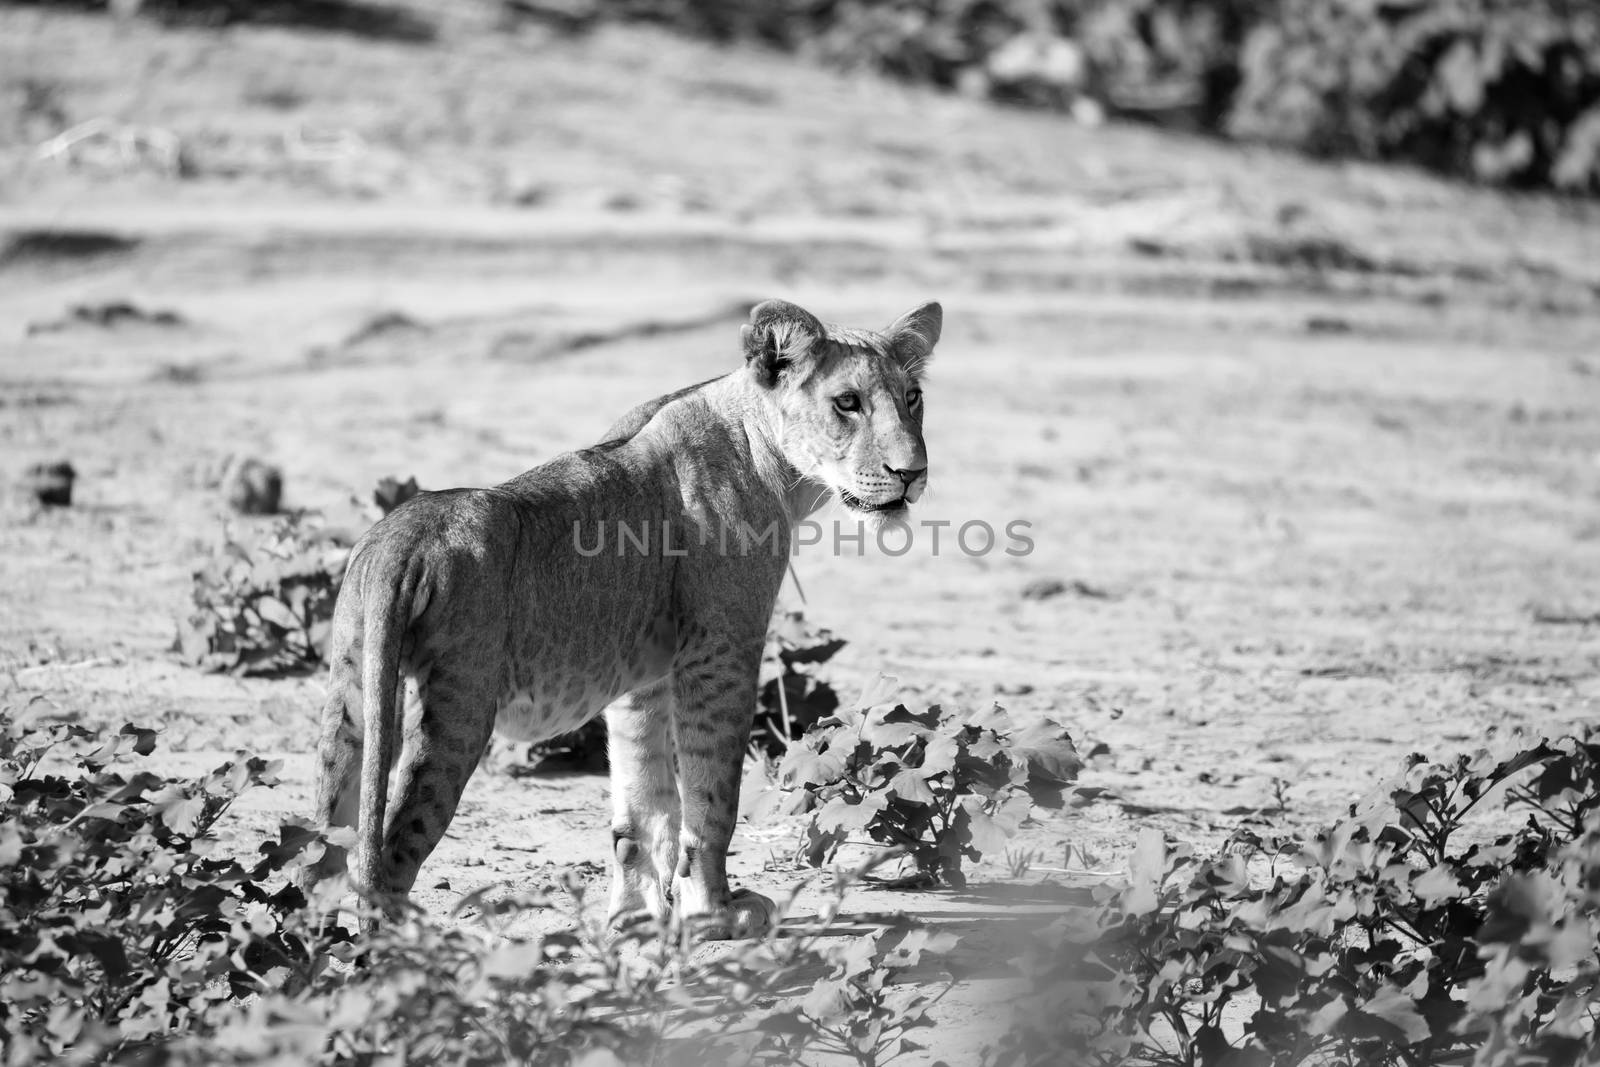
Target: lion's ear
{"points": [[914, 334], [779, 334]]}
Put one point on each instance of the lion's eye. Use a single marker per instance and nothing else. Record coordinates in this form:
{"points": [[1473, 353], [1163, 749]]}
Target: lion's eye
{"points": [[847, 402], [913, 398]]}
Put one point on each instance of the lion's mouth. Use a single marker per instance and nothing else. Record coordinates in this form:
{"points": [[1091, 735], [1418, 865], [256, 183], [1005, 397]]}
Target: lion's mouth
{"points": [[855, 503]]}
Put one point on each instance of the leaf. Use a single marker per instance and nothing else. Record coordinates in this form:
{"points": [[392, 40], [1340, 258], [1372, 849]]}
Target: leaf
{"points": [[293, 840], [993, 718], [824, 650], [987, 836], [1049, 752], [103, 809], [761, 805], [894, 735], [1012, 812], [181, 814], [939, 757], [907, 952], [805, 766], [1461, 77], [106, 949], [514, 961], [1146, 872], [1437, 884], [1398, 1011], [842, 816], [1327, 1017], [986, 749], [826, 1002], [910, 786], [144, 738]]}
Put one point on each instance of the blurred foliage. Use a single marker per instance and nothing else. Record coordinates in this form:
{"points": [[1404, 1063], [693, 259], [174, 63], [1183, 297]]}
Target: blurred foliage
{"points": [[119, 921], [1504, 91], [132, 932], [1500, 91], [263, 602], [360, 18], [1403, 935]]}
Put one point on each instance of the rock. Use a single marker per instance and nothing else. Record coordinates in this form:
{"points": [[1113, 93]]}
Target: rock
{"points": [[252, 487], [1039, 60], [564, 16], [51, 483], [1043, 589]]}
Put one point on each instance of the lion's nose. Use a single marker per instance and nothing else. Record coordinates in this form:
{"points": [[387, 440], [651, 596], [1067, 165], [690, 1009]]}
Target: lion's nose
{"points": [[906, 475]]}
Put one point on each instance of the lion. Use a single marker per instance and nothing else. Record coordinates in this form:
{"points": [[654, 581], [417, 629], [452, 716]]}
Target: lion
{"points": [[500, 611]]}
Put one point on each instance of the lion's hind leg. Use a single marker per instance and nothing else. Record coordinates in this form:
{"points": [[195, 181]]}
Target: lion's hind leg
{"points": [[644, 803], [338, 763], [447, 730]]}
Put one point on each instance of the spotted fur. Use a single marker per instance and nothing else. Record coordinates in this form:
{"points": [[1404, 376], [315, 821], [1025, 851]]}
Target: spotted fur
{"points": [[472, 610]]}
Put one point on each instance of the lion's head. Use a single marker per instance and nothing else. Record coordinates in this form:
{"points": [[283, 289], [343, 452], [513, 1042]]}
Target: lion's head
{"points": [[849, 402]]}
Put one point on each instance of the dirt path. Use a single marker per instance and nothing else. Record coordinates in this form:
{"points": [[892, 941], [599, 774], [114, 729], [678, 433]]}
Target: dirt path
{"points": [[1311, 457]]}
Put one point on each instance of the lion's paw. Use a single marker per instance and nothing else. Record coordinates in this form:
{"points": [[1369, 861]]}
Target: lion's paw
{"points": [[749, 916]]}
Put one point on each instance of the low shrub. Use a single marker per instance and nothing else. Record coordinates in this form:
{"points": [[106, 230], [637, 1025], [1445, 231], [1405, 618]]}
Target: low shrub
{"points": [[129, 935], [1503, 91], [943, 786], [1393, 938], [264, 603], [1500, 91], [795, 697], [120, 921]]}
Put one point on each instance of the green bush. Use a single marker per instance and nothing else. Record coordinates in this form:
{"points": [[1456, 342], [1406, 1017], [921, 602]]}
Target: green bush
{"points": [[120, 922], [943, 786], [795, 697], [1399, 937], [1500, 91], [264, 603], [129, 935], [1504, 91]]}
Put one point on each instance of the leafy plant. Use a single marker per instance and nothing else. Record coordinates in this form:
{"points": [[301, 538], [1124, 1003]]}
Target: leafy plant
{"points": [[128, 934], [264, 604], [796, 698], [1384, 941], [853, 1012], [391, 493], [943, 785], [118, 919], [786, 705], [1503, 91]]}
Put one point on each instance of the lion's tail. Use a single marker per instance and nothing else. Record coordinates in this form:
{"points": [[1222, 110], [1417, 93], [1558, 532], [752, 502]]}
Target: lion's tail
{"points": [[387, 615]]}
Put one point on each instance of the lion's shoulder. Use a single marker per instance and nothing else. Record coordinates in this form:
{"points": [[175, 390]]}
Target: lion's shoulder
{"points": [[636, 419]]}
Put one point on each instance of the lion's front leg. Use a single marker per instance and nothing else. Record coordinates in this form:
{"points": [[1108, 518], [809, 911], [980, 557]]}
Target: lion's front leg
{"points": [[644, 804], [713, 707]]}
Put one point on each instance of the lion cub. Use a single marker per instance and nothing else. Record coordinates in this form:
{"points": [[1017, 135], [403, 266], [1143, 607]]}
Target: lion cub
{"points": [[500, 609]]}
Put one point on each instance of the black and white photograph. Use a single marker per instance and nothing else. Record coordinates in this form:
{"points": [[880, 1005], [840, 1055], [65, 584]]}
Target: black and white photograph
{"points": [[831, 533]]}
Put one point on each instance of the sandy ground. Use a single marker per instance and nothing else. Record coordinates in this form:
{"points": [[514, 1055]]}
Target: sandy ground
{"points": [[1311, 453]]}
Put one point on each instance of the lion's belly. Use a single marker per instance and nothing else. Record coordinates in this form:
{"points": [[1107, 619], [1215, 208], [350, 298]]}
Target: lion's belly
{"points": [[537, 713], [564, 678]]}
